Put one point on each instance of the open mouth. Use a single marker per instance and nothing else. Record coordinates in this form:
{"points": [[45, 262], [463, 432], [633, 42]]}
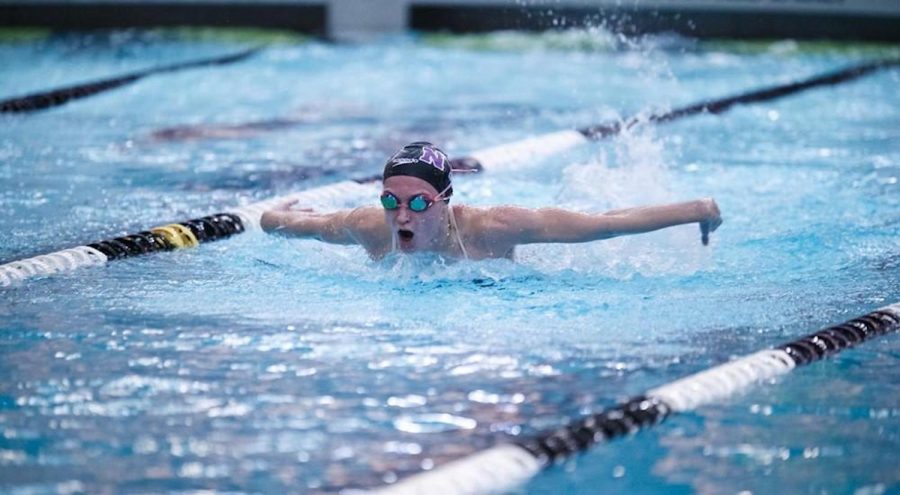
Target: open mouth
{"points": [[405, 235]]}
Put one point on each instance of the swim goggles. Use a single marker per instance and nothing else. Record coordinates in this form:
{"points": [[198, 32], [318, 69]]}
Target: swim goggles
{"points": [[417, 203]]}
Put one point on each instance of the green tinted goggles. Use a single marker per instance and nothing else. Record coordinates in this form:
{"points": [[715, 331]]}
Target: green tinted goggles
{"points": [[417, 203]]}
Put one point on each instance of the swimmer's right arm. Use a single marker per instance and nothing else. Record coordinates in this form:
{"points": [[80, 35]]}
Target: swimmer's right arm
{"points": [[515, 225], [306, 223]]}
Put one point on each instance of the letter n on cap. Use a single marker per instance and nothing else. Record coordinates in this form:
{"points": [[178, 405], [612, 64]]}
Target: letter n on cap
{"points": [[433, 157]]}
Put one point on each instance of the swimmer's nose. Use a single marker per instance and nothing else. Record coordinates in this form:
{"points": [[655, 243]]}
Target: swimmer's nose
{"points": [[403, 216]]}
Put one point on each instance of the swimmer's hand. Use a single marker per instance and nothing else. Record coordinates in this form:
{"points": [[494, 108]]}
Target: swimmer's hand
{"points": [[288, 205], [712, 218], [280, 216]]}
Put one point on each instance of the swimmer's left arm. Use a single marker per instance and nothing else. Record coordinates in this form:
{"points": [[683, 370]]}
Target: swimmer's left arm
{"points": [[523, 226]]}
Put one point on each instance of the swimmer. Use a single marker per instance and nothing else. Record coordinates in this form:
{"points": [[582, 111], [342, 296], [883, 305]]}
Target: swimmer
{"points": [[416, 216]]}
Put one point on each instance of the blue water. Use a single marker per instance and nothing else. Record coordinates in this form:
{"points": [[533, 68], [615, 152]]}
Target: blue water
{"points": [[264, 365]]}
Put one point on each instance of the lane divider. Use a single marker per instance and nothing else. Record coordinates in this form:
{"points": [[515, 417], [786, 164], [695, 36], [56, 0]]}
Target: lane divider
{"points": [[506, 466], [533, 148], [56, 97], [173, 236], [498, 158], [168, 237], [721, 105]]}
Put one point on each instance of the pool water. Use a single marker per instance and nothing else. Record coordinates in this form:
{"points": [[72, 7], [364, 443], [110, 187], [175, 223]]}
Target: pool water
{"points": [[266, 365]]}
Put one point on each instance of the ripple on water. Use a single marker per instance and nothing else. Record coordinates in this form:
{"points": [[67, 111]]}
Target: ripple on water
{"points": [[433, 423]]}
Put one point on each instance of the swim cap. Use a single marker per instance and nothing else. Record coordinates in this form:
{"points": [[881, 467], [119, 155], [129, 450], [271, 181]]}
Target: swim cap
{"points": [[422, 160]]}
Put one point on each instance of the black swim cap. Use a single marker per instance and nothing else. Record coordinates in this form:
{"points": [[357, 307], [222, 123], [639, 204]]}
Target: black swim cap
{"points": [[422, 160]]}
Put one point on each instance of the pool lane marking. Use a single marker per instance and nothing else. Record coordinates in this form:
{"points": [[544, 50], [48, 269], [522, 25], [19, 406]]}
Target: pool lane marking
{"points": [[507, 466], [56, 97], [505, 156]]}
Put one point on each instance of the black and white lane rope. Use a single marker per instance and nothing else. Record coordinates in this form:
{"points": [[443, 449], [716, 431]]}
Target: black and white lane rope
{"points": [[720, 105], [498, 158], [552, 143], [56, 97], [508, 465]]}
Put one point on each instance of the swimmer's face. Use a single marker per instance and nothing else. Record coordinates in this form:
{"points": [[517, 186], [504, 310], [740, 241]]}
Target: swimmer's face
{"points": [[415, 231]]}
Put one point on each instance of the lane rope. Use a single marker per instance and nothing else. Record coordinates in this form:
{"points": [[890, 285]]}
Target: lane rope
{"points": [[502, 157], [56, 97], [507, 466], [720, 105]]}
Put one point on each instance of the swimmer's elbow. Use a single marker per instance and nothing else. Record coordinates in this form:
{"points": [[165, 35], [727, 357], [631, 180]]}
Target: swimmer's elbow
{"points": [[549, 225], [574, 227]]}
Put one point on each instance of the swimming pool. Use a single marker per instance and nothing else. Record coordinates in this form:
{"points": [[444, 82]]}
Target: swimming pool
{"points": [[258, 364]]}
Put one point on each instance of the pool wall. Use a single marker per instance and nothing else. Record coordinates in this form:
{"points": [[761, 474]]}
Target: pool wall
{"points": [[868, 20]]}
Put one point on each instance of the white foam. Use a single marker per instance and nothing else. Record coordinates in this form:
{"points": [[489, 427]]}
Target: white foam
{"points": [[634, 173]]}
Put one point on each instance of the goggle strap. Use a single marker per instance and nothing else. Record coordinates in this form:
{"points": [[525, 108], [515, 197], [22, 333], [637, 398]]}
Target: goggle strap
{"points": [[440, 195]]}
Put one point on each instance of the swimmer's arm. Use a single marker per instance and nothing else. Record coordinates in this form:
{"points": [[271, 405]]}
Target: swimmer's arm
{"points": [[524, 226], [334, 227]]}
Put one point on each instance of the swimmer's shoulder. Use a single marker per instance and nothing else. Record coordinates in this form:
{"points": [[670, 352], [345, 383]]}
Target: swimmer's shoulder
{"points": [[469, 218], [368, 226], [486, 219], [480, 226], [363, 215]]}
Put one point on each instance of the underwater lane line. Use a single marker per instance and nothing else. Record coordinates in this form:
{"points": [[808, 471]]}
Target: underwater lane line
{"points": [[506, 466], [54, 98], [504, 156]]}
